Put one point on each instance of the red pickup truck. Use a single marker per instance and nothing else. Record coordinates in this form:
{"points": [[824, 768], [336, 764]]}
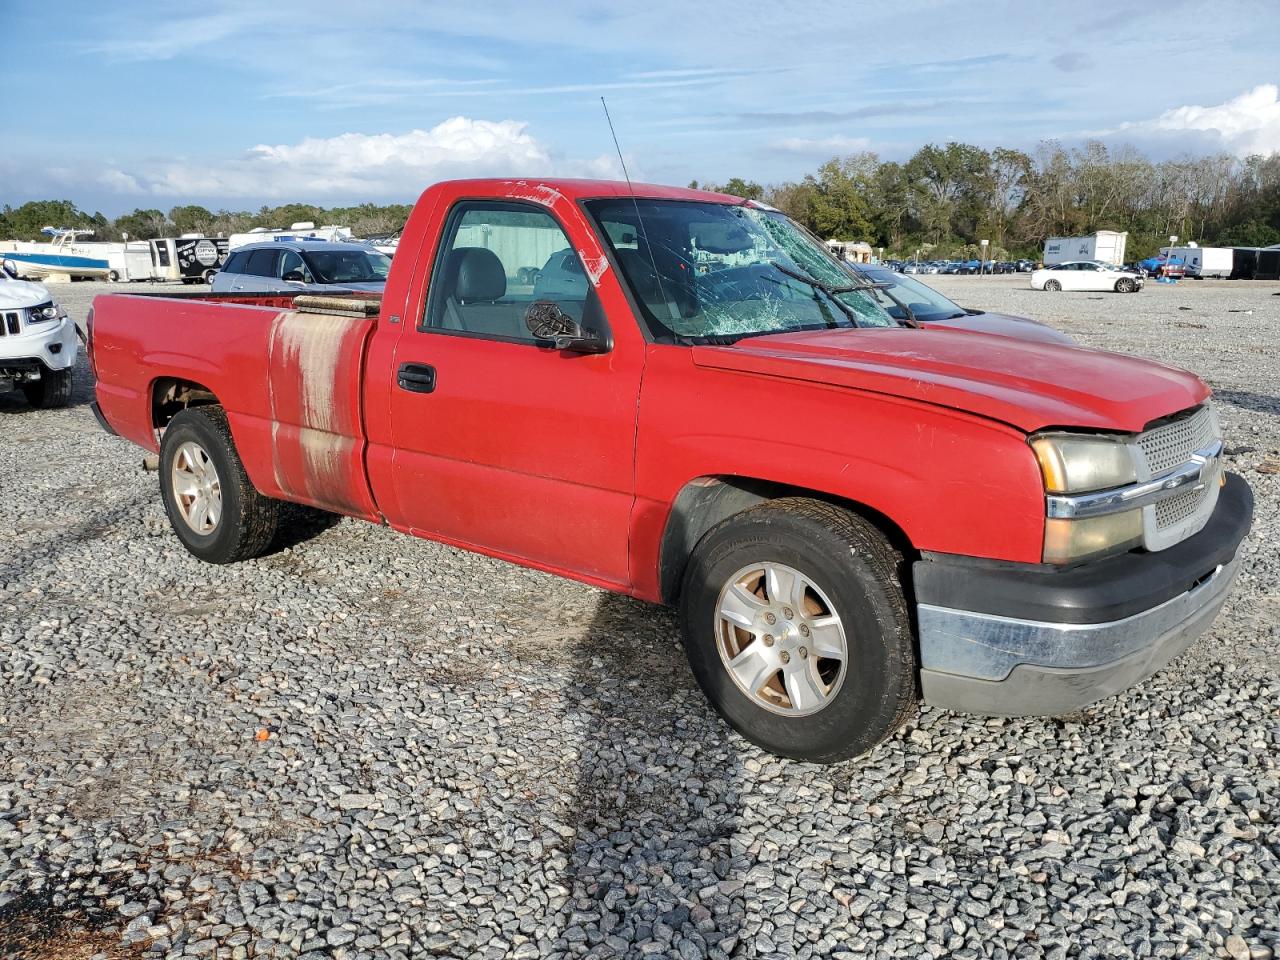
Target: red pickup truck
{"points": [[680, 396]]}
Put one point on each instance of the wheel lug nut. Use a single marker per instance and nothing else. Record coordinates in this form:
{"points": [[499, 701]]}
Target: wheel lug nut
{"points": [[803, 653], [770, 618], [787, 612], [768, 640], [804, 629], [785, 657]]}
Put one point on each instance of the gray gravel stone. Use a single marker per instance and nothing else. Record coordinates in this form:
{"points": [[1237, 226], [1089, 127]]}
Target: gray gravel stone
{"points": [[470, 759]]}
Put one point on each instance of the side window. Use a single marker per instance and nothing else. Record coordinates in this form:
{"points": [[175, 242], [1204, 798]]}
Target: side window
{"points": [[235, 263], [262, 263], [496, 260], [291, 262]]}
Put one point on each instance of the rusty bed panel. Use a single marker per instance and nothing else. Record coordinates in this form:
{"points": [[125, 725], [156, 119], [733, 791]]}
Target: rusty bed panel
{"points": [[317, 436]]}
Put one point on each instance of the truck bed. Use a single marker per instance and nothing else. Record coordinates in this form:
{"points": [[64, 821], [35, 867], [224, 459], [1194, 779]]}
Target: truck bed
{"points": [[287, 370]]}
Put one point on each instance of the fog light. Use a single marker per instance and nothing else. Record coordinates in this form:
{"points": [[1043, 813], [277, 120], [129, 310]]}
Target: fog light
{"points": [[55, 348]]}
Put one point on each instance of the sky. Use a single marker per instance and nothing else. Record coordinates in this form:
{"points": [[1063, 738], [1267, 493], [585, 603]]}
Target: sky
{"points": [[238, 104]]}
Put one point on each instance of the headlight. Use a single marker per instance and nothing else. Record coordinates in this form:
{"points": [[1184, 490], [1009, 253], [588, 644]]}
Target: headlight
{"points": [[1069, 541], [1072, 464], [45, 311], [1079, 464]]}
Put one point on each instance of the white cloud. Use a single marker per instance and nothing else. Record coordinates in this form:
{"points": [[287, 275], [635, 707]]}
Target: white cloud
{"points": [[358, 166], [824, 146], [1247, 124]]}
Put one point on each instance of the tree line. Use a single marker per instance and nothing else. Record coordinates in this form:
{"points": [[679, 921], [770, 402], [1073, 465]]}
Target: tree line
{"points": [[944, 199], [939, 203], [26, 221]]}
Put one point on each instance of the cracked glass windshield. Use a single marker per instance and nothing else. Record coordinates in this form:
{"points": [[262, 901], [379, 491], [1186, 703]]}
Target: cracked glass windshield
{"points": [[712, 272]]}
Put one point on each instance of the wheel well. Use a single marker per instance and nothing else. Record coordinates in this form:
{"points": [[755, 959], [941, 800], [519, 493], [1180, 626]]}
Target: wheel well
{"points": [[170, 395], [707, 501]]}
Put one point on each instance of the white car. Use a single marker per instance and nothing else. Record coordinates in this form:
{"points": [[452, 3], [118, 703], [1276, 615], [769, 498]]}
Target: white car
{"points": [[1086, 275], [37, 342]]}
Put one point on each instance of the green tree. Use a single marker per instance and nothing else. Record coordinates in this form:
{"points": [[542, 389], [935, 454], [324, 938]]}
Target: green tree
{"points": [[191, 219], [143, 225], [747, 189], [839, 206], [26, 222]]}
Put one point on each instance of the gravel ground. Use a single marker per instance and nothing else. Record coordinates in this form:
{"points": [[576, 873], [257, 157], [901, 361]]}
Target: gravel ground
{"points": [[364, 745]]}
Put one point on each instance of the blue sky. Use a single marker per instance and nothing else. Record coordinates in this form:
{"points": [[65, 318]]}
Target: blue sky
{"points": [[236, 104]]}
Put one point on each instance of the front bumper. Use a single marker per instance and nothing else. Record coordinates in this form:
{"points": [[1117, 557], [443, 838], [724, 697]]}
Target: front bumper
{"points": [[53, 344], [1027, 640]]}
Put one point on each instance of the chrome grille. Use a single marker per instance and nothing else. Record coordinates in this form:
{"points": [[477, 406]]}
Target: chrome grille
{"points": [[10, 323], [1176, 509], [1172, 444]]}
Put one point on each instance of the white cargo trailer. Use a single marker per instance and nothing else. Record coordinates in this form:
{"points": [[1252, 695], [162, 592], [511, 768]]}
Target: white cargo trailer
{"points": [[1105, 245], [191, 258], [1203, 261]]}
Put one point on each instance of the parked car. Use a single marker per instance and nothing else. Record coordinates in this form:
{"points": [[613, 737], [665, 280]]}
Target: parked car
{"points": [[38, 341], [296, 266], [906, 298], [846, 511], [1086, 275], [1024, 265]]}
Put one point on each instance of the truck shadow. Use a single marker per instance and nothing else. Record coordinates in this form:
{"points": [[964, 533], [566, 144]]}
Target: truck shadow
{"points": [[652, 865], [1247, 400]]}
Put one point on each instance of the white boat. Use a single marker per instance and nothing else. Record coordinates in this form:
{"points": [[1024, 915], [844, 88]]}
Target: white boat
{"points": [[60, 256]]}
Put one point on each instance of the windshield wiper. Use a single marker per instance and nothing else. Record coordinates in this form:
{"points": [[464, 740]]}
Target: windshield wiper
{"points": [[826, 288]]}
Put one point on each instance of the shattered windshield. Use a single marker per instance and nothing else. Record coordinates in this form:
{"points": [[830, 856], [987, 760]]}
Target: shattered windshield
{"points": [[712, 271]]}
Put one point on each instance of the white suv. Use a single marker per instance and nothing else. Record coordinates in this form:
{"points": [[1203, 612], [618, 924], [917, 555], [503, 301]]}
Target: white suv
{"points": [[37, 342]]}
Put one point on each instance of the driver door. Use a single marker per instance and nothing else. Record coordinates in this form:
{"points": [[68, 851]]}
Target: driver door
{"points": [[503, 444]]}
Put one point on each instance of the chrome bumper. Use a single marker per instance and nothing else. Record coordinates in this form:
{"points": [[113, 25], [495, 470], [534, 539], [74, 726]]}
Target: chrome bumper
{"points": [[1003, 666]]}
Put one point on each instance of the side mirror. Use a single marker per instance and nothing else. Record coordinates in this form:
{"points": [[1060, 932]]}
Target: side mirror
{"points": [[9, 269], [294, 276], [546, 321]]}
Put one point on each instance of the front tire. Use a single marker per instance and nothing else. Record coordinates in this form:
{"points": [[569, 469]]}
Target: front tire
{"points": [[51, 391], [1124, 285], [213, 508], [797, 630], [1053, 286]]}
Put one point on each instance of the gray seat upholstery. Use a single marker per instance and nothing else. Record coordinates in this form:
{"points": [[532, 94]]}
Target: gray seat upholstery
{"points": [[474, 284]]}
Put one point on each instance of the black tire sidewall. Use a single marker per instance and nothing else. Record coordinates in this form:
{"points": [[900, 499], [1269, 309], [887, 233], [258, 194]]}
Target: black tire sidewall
{"points": [[866, 707], [194, 425]]}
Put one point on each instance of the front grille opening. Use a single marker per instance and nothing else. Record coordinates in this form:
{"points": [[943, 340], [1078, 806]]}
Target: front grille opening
{"points": [[1173, 443], [1176, 509]]}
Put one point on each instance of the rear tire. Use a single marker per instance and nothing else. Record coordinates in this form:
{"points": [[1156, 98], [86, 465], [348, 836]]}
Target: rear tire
{"points": [[848, 588], [1053, 286], [199, 466], [51, 391]]}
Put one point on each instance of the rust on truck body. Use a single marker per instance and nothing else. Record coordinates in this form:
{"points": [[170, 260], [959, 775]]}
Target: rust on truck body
{"points": [[317, 445]]}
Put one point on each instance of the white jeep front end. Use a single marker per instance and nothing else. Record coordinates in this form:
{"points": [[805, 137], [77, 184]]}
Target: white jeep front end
{"points": [[37, 343]]}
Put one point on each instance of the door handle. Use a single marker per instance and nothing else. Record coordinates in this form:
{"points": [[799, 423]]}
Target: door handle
{"points": [[416, 377]]}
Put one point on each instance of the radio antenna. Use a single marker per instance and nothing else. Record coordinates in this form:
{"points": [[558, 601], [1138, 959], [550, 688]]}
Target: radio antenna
{"points": [[639, 216]]}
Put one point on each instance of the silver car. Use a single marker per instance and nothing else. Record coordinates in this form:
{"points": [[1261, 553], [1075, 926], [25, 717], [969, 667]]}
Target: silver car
{"points": [[298, 266]]}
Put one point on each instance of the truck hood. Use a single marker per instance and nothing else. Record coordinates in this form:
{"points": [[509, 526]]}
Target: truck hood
{"points": [[15, 294], [1030, 385]]}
